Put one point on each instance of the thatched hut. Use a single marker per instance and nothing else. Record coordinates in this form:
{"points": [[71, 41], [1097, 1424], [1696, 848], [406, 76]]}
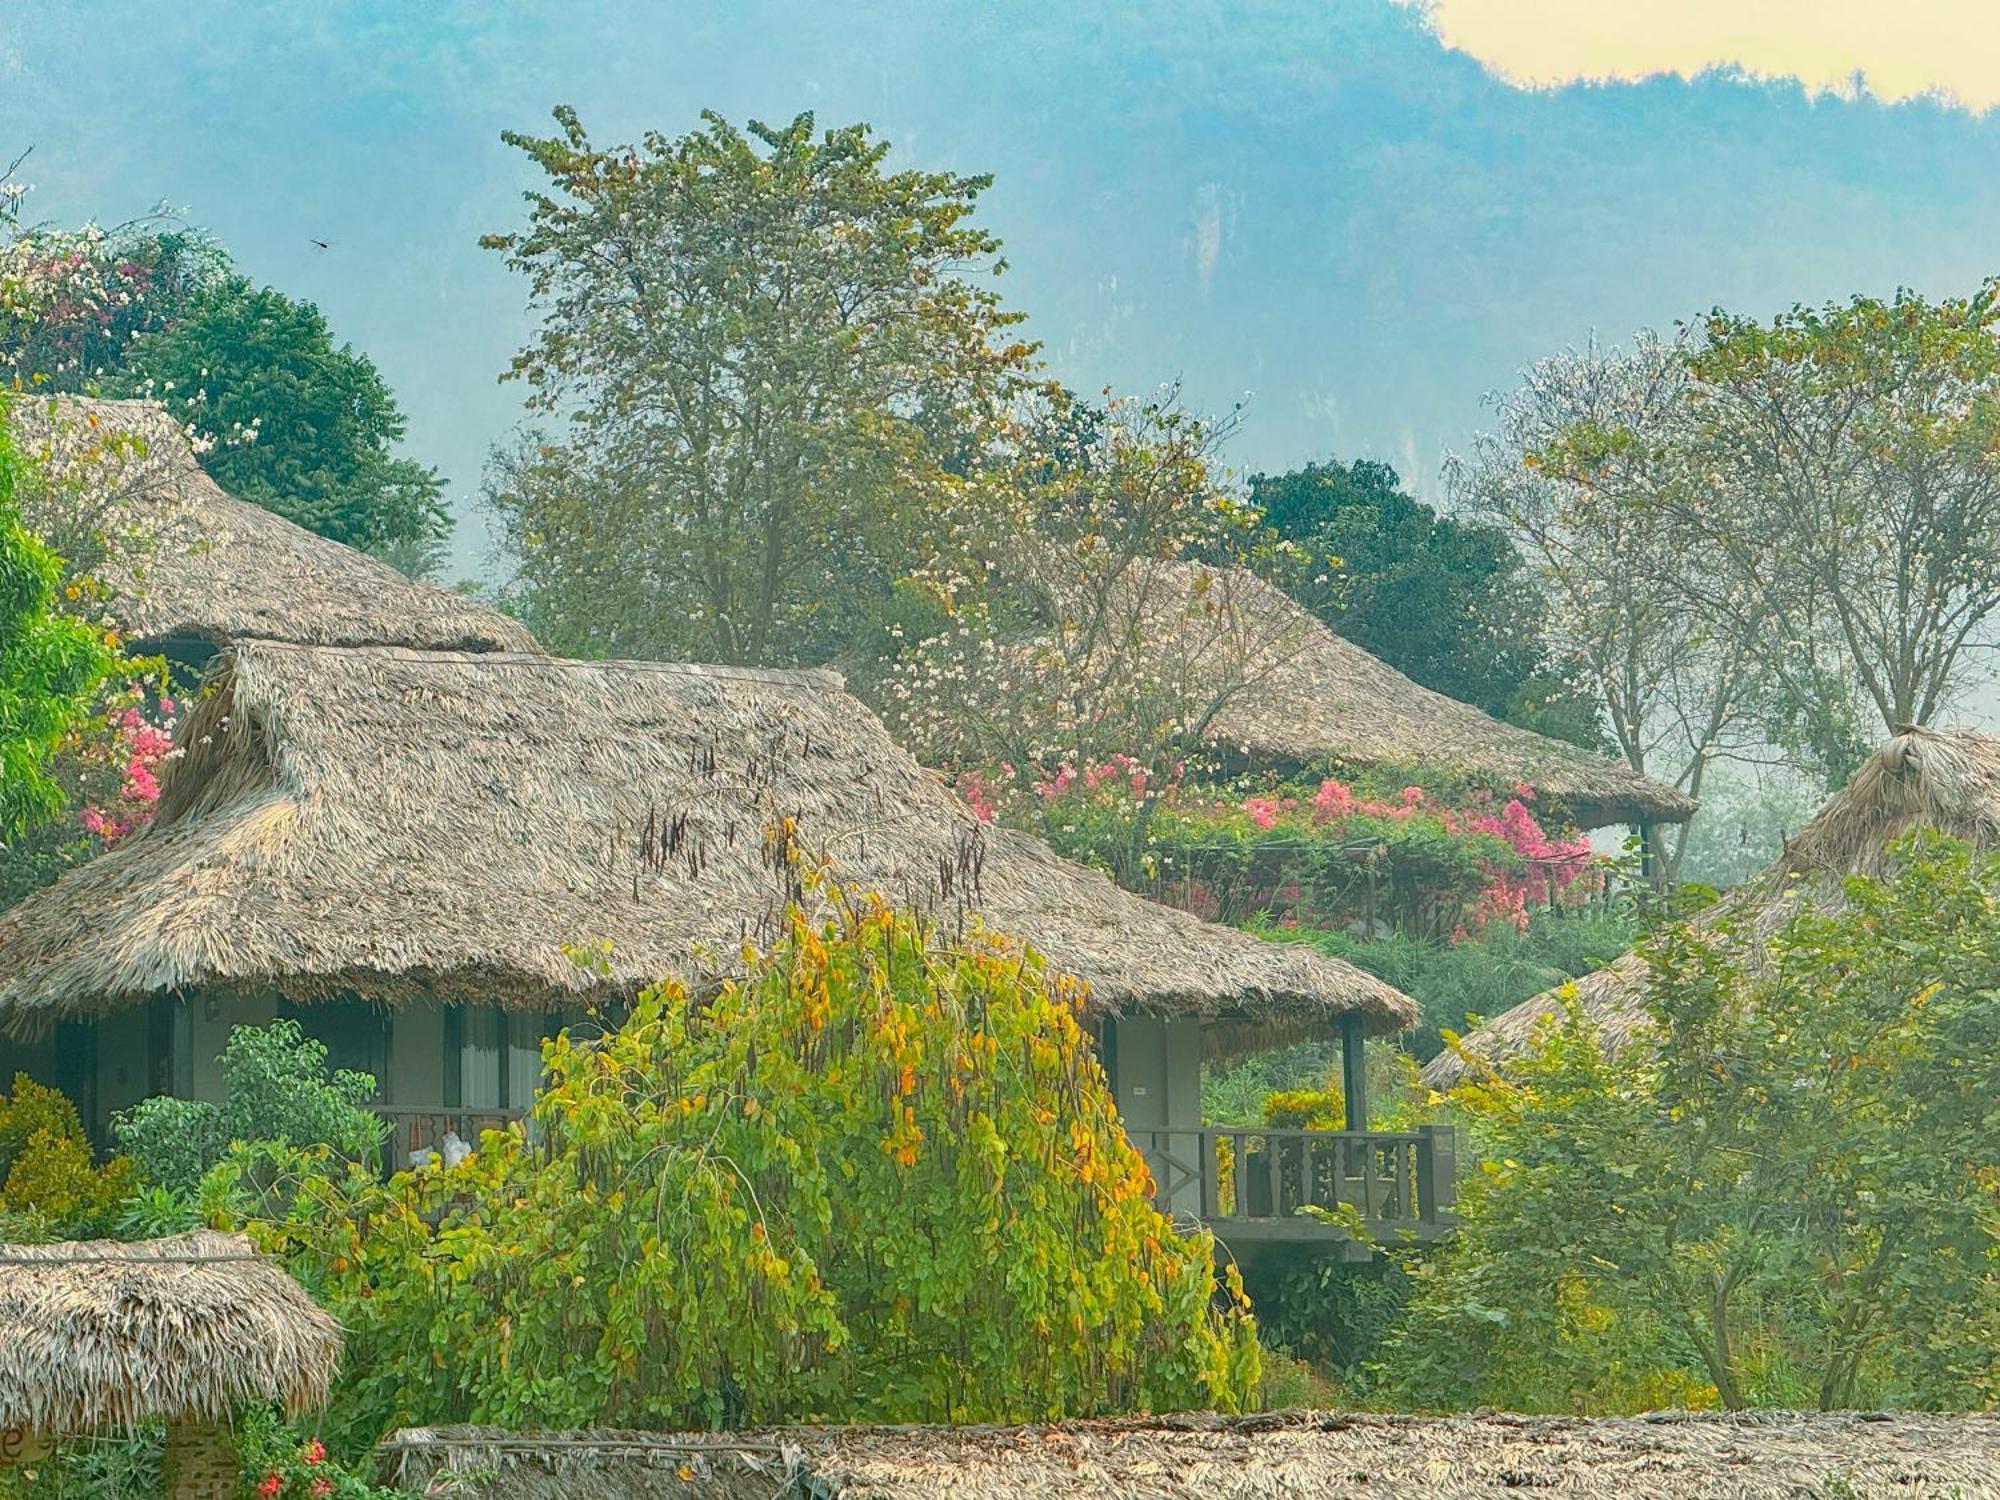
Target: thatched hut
{"points": [[1291, 692], [1282, 1456], [408, 849], [188, 567], [101, 1336], [1944, 779]]}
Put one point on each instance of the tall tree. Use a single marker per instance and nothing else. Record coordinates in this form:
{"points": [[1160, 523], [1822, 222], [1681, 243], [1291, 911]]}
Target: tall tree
{"points": [[287, 418], [756, 336], [1578, 471], [298, 424], [1842, 468], [1443, 599]]}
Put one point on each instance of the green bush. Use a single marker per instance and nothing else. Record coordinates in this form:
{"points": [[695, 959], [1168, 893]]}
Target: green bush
{"points": [[1329, 1313], [122, 1466], [50, 1184], [1792, 1197], [1490, 971], [276, 1087]]}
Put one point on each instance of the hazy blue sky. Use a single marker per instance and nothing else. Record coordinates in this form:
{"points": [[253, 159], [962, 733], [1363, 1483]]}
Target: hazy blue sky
{"points": [[1318, 205]]}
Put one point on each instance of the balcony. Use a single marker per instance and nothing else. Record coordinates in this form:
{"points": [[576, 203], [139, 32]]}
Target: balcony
{"points": [[1252, 1186], [1263, 1186]]}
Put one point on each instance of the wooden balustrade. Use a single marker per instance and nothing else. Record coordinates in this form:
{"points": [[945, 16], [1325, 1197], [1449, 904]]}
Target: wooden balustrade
{"points": [[1271, 1184]]}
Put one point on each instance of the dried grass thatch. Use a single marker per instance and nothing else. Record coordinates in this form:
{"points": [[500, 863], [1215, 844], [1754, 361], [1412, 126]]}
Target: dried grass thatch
{"points": [[1286, 1456], [1295, 692], [102, 1334], [391, 823], [1943, 779], [186, 562]]}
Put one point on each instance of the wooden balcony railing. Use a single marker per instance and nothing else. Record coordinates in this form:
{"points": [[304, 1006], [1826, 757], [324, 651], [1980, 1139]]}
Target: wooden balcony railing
{"points": [[415, 1128], [1257, 1184]]}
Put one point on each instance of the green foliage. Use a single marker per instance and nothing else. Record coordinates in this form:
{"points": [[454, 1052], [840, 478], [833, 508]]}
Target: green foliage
{"points": [[127, 1466], [1332, 1314], [123, 1466], [51, 666], [1846, 471], [50, 1185], [1445, 600], [876, 1181], [1791, 1199], [1482, 974], [300, 425], [1325, 854], [769, 349], [275, 1087], [155, 1212]]}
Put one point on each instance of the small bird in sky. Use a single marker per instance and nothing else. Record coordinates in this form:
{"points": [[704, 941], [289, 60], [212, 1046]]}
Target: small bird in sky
{"points": [[321, 244]]}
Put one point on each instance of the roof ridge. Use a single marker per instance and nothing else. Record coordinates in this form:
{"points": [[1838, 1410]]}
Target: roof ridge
{"points": [[808, 677]]}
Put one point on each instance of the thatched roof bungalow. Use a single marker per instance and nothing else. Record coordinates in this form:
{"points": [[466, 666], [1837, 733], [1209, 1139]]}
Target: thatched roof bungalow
{"points": [[360, 831], [1944, 779], [189, 567], [103, 1335], [1293, 692], [390, 824], [1282, 1456]]}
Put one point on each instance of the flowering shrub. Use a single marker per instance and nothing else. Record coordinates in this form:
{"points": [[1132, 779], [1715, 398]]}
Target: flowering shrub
{"points": [[51, 666], [140, 745], [279, 1464], [1433, 861], [72, 300]]}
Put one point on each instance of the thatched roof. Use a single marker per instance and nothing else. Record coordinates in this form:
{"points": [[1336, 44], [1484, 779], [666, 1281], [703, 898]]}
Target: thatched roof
{"points": [[187, 562], [1308, 694], [1943, 779], [99, 1333], [390, 823], [1283, 1456]]}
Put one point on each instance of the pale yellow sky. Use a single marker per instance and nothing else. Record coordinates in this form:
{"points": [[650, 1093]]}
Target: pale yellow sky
{"points": [[1903, 47]]}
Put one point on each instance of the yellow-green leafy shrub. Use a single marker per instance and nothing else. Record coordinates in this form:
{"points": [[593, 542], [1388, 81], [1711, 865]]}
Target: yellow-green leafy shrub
{"points": [[48, 1178], [876, 1180]]}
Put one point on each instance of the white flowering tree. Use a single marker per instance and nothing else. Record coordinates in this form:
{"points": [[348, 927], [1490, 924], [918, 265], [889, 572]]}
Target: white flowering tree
{"points": [[1098, 617]]}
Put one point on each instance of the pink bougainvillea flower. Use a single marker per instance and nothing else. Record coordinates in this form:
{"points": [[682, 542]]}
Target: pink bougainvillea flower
{"points": [[1263, 811], [1334, 799]]}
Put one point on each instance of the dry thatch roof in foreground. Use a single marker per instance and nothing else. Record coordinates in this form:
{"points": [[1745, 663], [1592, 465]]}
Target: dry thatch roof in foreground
{"points": [[1286, 1456], [394, 823], [1307, 694], [1944, 779], [99, 1333], [186, 561]]}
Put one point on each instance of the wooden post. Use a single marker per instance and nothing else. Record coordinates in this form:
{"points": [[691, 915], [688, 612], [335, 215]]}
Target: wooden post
{"points": [[1437, 1172], [1354, 1071], [200, 1463]]}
